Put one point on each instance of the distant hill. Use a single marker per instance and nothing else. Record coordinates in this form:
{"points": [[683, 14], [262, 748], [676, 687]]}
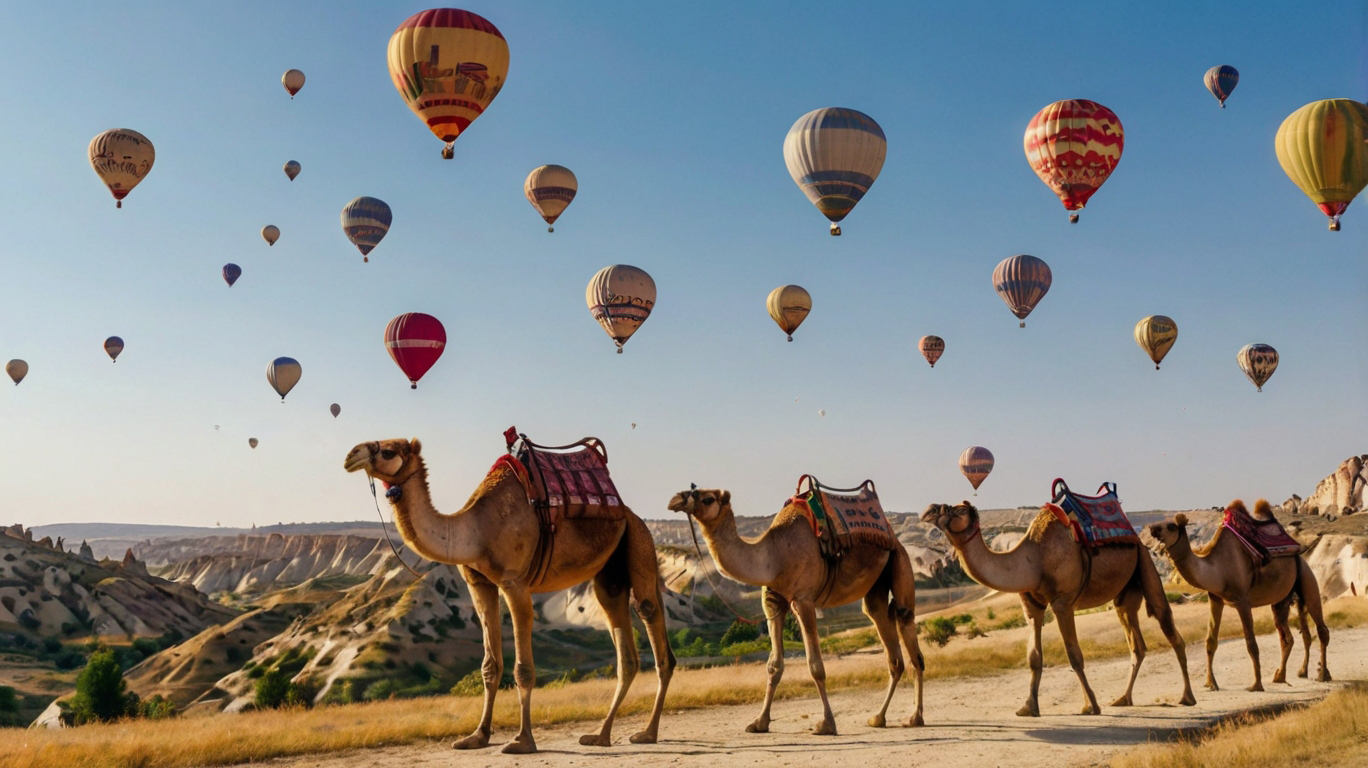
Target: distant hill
{"points": [[114, 539]]}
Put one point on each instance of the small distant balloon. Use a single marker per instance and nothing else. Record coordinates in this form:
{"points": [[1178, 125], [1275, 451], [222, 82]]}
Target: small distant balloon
{"points": [[293, 80], [788, 307], [1258, 361], [17, 370], [975, 463], [365, 221], [334, 409], [112, 347], [1221, 82], [122, 158], [821, 412], [550, 189], [932, 347], [231, 272], [634, 425], [271, 233], [1022, 281], [292, 169], [1155, 334], [283, 373], [252, 441]]}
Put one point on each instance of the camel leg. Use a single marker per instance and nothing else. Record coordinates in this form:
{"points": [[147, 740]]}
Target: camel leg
{"points": [[903, 612], [1304, 622], [524, 671], [1069, 633], [1152, 587], [1251, 643], [776, 610], [1213, 639], [1035, 612], [485, 595], [644, 574], [1311, 599], [806, 613], [876, 608], [1281, 612], [1128, 613], [610, 589]]}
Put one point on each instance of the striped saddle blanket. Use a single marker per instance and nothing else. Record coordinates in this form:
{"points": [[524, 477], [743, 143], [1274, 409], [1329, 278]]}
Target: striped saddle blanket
{"points": [[1095, 520], [568, 481], [844, 517], [1265, 539]]}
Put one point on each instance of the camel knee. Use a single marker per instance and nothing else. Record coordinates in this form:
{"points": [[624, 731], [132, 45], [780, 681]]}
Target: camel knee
{"points": [[524, 674], [491, 671], [775, 668], [628, 666]]}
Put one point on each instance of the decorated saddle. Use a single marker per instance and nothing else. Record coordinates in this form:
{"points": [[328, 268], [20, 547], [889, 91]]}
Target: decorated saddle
{"points": [[1095, 520], [564, 481], [1265, 539], [843, 517]]}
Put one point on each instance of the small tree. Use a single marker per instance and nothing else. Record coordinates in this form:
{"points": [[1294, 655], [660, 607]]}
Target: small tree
{"points": [[100, 689], [9, 707], [271, 689]]}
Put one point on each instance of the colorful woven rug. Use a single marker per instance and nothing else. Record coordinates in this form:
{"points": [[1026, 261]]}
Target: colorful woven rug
{"points": [[844, 517], [1265, 539], [570, 481], [1095, 520]]}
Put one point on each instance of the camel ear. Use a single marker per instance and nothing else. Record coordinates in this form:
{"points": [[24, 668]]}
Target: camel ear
{"points": [[726, 498], [1180, 519], [415, 447]]}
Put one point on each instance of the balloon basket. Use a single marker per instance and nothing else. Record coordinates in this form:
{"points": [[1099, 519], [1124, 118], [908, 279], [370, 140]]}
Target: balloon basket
{"points": [[365, 259], [550, 229], [1156, 366], [1073, 218], [790, 338], [1022, 325], [1334, 225], [835, 231], [413, 385], [448, 151], [619, 350]]}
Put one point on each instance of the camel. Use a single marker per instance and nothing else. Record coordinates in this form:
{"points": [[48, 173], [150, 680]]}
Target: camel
{"points": [[493, 539], [1048, 568], [786, 562], [1226, 571]]}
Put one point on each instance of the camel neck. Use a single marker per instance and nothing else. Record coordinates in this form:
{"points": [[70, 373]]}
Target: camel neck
{"points": [[445, 538], [749, 562], [1016, 570], [1194, 568]]}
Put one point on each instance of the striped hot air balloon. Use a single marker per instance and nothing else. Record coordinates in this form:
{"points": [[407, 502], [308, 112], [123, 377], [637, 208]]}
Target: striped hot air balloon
{"points": [[448, 64], [1323, 148], [975, 463], [1156, 334], [415, 341], [1022, 281], [1221, 82], [283, 374], [620, 298], [550, 189], [932, 347], [112, 347], [365, 221], [834, 155], [789, 306], [1073, 146], [122, 159]]}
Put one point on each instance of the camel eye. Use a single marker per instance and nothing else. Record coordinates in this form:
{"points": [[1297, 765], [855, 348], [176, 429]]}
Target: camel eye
{"points": [[709, 499], [1172, 527], [387, 454]]}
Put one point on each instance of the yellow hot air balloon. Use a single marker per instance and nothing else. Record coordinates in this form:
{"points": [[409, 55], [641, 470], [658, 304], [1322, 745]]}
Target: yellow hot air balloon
{"points": [[550, 189], [620, 298], [293, 80], [448, 64], [1156, 334], [1323, 148], [271, 233], [789, 305], [122, 158]]}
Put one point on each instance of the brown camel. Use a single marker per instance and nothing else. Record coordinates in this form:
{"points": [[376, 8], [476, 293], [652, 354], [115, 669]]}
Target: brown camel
{"points": [[493, 539], [1048, 568], [1225, 569], [786, 561]]}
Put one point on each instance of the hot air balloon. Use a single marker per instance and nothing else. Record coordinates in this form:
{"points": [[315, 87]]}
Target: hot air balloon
{"points": [[365, 221], [620, 298], [292, 169], [448, 64], [252, 441], [976, 462], [1258, 361], [834, 155], [789, 305], [231, 272], [1322, 149], [121, 158], [113, 346], [1073, 146], [334, 409], [415, 341], [932, 347], [293, 80], [271, 233], [283, 373], [17, 370], [1221, 82], [1156, 334], [1022, 281], [550, 189]]}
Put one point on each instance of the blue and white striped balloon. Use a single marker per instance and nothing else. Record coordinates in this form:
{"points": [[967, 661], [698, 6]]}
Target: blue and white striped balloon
{"points": [[834, 155]]}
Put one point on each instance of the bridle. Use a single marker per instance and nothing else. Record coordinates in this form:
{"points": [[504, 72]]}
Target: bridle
{"points": [[690, 501], [393, 492]]}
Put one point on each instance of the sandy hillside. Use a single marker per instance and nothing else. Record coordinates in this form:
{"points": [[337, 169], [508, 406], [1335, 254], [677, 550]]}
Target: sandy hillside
{"points": [[970, 722]]}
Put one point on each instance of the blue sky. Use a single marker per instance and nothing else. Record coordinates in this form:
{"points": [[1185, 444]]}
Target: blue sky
{"points": [[673, 118]]}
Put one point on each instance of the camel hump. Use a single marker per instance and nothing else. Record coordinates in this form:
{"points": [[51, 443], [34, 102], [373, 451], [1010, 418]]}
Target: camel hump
{"points": [[1262, 511]]}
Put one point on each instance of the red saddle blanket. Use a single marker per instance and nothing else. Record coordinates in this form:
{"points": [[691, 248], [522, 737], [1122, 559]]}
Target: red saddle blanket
{"points": [[569, 481], [1265, 539], [1095, 520], [843, 517]]}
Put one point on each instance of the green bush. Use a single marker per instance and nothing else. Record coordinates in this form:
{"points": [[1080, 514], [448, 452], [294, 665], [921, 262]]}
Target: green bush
{"points": [[301, 693], [473, 684], [739, 632], [9, 708], [158, 708], [1012, 623], [272, 689], [938, 630], [100, 690]]}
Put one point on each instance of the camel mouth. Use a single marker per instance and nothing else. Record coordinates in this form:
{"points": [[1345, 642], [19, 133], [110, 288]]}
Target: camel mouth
{"points": [[932, 514], [356, 460], [678, 503]]}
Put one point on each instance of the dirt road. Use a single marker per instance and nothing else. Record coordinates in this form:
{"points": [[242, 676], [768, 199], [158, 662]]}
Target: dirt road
{"points": [[970, 722]]}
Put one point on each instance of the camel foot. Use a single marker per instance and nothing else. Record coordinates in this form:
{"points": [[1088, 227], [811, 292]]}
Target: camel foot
{"points": [[1212, 686], [1124, 701], [476, 740], [595, 740], [643, 737], [1324, 676], [1029, 709], [1090, 709], [1188, 699], [759, 725], [825, 728], [521, 745], [1280, 677], [877, 721], [1257, 687], [1301, 672], [914, 721]]}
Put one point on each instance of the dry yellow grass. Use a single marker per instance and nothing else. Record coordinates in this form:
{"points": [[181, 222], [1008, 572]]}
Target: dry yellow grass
{"points": [[250, 737], [1332, 732]]}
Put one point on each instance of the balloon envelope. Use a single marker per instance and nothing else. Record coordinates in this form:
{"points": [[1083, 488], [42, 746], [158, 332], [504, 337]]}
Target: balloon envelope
{"points": [[976, 462], [252, 441], [293, 80], [271, 233], [415, 341], [1221, 81], [834, 155], [113, 346], [17, 370], [788, 306], [550, 189], [932, 347], [1156, 334], [365, 221], [1258, 361], [448, 65], [334, 409], [620, 298], [122, 159], [1073, 146], [1323, 148], [292, 169], [1022, 281], [231, 272], [283, 373]]}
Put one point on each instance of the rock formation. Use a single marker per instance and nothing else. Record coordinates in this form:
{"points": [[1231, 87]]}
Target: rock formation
{"points": [[1344, 492]]}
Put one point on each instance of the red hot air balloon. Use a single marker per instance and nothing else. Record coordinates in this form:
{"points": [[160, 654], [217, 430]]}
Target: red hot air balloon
{"points": [[415, 341], [1073, 146]]}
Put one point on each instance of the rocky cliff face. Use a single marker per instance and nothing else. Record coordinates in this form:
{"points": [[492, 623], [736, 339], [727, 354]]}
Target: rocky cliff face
{"points": [[249, 564], [1344, 492]]}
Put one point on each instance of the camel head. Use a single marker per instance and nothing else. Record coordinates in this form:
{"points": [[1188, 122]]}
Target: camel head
{"points": [[704, 506], [957, 522], [390, 461], [1170, 532]]}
